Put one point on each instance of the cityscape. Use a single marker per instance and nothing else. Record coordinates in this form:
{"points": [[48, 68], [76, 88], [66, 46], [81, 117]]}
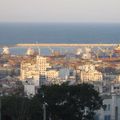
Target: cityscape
{"points": [[97, 65], [59, 59]]}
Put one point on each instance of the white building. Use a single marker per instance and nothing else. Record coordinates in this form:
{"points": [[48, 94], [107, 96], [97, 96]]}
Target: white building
{"points": [[38, 70], [87, 53], [28, 70], [111, 110], [88, 73], [118, 78], [29, 88], [111, 104], [42, 65], [52, 74]]}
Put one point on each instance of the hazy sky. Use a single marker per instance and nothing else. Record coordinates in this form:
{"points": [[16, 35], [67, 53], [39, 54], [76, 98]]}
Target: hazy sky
{"points": [[59, 10]]}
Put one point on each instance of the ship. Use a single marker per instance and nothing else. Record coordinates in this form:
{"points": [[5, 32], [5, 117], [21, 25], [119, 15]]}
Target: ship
{"points": [[107, 59], [79, 51], [117, 49], [30, 51], [5, 51]]}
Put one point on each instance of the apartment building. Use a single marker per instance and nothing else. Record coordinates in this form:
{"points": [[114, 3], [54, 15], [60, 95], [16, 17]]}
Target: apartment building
{"points": [[88, 73], [38, 69], [111, 102]]}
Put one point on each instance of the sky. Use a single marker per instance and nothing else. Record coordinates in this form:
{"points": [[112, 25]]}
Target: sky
{"points": [[60, 11]]}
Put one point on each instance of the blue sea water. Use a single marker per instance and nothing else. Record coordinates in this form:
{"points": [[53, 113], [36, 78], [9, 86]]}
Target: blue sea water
{"points": [[13, 33]]}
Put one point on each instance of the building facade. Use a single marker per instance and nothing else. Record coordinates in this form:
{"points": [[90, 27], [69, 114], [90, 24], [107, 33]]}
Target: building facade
{"points": [[38, 69], [111, 102], [88, 73]]}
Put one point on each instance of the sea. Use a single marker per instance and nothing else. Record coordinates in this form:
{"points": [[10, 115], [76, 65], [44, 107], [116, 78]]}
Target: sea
{"points": [[78, 33]]}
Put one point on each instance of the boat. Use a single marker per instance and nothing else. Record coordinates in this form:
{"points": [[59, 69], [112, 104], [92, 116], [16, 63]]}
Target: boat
{"points": [[107, 59], [117, 49], [5, 51], [79, 51], [30, 51]]}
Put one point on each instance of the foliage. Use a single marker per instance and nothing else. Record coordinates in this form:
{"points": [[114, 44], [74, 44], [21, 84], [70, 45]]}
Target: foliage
{"points": [[15, 108], [63, 102], [70, 102]]}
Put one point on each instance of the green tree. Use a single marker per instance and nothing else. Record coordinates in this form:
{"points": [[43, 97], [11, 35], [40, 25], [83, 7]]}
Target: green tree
{"points": [[15, 108], [77, 102]]}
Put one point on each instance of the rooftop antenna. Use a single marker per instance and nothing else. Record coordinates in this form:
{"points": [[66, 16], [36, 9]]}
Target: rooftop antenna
{"points": [[38, 47]]}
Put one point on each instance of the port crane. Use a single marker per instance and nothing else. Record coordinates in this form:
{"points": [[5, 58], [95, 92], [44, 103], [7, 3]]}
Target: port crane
{"points": [[54, 52], [51, 50], [108, 51]]}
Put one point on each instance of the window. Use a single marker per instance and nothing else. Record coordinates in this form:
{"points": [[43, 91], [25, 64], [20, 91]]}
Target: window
{"points": [[96, 117], [107, 117], [108, 107]]}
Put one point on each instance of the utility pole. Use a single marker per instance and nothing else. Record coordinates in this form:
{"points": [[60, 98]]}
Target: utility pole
{"points": [[0, 107], [44, 111], [44, 107]]}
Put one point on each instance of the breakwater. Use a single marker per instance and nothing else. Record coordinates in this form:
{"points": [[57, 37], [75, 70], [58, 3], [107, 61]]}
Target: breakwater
{"points": [[63, 45]]}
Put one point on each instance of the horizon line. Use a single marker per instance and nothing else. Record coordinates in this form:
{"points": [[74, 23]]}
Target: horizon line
{"points": [[60, 22]]}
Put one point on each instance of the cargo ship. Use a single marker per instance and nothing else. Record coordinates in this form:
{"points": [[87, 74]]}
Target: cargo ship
{"points": [[114, 57], [117, 49], [5, 51], [107, 59], [30, 51]]}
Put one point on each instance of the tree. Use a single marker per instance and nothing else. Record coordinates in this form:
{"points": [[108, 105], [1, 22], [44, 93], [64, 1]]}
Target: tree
{"points": [[77, 102], [15, 108]]}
